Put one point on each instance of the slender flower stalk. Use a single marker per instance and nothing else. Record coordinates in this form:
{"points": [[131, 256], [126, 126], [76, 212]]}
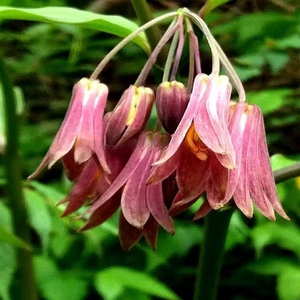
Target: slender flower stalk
{"points": [[217, 52], [25, 274], [128, 39]]}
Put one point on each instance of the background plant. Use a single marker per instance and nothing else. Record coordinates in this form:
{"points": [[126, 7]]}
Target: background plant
{"points": [[46, 57]]}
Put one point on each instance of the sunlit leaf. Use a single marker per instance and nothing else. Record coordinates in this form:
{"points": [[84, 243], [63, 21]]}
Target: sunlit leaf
{"points": [[55, 285], [115, 25], [270, 265], [268, 100], [283, 234], [110, 283], [212, 4], [39, 215], [276, 60], [8, 237], [292, 41], [288, 284], [7, 256]]}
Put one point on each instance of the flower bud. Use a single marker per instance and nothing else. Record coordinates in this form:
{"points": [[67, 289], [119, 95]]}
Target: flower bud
{"points": [[130, 116], [171, 102]]}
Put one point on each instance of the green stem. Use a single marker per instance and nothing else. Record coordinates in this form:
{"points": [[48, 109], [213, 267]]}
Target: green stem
{"points": [[287, 173], [25, 272], [216, 225], [153, 33]]}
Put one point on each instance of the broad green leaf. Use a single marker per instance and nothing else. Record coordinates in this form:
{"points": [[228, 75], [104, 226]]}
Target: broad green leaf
{"points": [[270, 265], [268, 100], [39, 215], [115, 25], [246, 73], [280, 161], [276, 60], [55, 284], [9, 238], [110, 283], [292, 41], [212, 4], [7, 255], [281, 233], [288, 284], [238, 232]]}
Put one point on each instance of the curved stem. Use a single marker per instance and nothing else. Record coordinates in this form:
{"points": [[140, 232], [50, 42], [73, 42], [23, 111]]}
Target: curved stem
{"points": [[152, 59], [287, 173], [125, 41], [216, 225], [210, 39], [25, 272]]}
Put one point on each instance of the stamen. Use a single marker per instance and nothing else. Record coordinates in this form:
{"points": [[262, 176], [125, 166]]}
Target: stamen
{"points": [[195, 144]]}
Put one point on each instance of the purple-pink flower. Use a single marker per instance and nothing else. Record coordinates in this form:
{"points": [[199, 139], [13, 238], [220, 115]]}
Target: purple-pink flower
{"points": [[214, 147], [252, 181], [207, 111], [81, 132], [140, 203]]}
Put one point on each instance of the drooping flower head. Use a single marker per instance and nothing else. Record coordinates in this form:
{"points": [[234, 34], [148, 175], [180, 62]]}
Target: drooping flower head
{"points": [[207, 115], [81, 132], [252, 181], [213, 146], [140, 203]]}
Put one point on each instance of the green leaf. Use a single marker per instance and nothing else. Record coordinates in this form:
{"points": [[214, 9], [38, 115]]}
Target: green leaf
{"points": [[212, 4], [112, 281], [292, 41], [282, 233], [39, 215], [115, 25], [268, 100], [270, 265], [276, 60], [288, 284], [7, 256], [280, 161], [55, 284], [9, 238]]}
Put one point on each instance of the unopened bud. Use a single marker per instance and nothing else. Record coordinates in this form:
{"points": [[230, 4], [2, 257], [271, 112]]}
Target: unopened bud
{"points": [[171, 102]]}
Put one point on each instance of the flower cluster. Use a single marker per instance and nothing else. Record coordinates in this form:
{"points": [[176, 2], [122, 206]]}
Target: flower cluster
{"points": [[203, 144]]}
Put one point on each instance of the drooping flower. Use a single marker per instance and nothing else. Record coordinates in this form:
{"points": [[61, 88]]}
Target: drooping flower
{"points": [[130, 116], [139, 202], [252, 181], [81, 132], [207, 111]]}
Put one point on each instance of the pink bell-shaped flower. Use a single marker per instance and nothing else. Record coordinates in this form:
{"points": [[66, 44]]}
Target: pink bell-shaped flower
{"points": [[207, 111], [81, 132], [252, 181]]}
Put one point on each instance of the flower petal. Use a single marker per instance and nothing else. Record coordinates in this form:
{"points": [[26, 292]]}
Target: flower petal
{"points": [[199, 88], [157, 207], [133, 202]]}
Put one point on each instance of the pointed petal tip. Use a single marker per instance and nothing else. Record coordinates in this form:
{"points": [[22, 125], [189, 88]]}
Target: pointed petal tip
{"points": [[247, 213], [281, 212]]}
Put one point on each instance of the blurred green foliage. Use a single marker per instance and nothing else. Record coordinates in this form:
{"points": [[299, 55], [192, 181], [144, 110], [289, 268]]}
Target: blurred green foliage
{"points": [[262, 258]]}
